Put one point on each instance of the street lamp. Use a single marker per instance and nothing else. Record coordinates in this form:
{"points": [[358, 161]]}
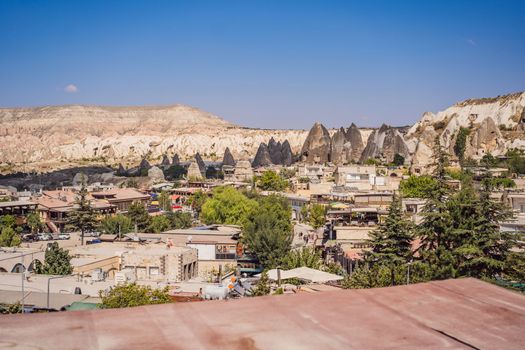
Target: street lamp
{"points": [[408, 271], [48, 285]]}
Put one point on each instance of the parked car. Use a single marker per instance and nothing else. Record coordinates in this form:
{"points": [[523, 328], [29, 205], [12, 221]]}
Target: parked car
{"points": [[30, 237], [45, 237], [64, 236], [94, 241]]}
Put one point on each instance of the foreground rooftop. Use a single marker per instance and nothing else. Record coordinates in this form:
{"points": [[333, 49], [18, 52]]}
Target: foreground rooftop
{"points": [[455, 314]]}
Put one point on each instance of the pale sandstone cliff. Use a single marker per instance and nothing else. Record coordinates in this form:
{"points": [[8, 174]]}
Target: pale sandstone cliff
{"points": [[495, 124], [47, 138]]}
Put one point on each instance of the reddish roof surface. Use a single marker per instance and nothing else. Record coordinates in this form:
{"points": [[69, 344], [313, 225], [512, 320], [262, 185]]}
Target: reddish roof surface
{"points": [[453, 314]]}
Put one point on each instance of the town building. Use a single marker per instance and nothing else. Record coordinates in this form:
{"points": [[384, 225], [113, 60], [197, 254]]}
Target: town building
{"points": [[161, 262]]}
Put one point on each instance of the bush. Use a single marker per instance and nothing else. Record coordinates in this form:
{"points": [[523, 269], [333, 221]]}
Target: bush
{"points": [[115, 224], [417, 186], [399, 160], [131, 295], [271, 181]]}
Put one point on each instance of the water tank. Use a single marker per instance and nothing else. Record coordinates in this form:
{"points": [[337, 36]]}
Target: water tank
{"points": [[216, 292]]}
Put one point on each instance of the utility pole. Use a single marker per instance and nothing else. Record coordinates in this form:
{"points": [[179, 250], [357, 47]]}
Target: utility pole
{"points": [[408, 272], [23, 277]]}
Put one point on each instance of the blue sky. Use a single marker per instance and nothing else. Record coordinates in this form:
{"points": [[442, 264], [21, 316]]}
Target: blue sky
{"points": [[272, 64]]}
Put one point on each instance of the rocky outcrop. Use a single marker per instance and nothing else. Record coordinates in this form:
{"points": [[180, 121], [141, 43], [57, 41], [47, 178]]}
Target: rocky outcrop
{"points": [[121, 171], [228, 159], [286, 154], [493, 123], [355, 139], [340, 149], [144, 166], [175, 160], [155, 174], [262, 157], [194, 171], [59, 137], [200, 163], [275, 149], [384, 144], [316, 147], [165, 161]]}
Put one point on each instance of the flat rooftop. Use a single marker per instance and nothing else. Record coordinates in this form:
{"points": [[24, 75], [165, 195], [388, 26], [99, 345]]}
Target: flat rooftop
{"points": [[452, 314], [117, 248]]}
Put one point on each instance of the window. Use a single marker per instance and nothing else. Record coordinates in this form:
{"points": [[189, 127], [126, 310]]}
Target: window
{"points": [[153, 271], [522, 208]]}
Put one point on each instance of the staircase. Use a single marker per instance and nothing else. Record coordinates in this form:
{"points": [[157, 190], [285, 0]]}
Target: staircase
{"points": [[52, 227]]}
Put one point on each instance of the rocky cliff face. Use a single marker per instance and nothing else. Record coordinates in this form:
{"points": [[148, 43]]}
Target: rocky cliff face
{"points": [[228, 159], [317, 146], [49, 138], [384, 143], [60, 137], [495, 125]]}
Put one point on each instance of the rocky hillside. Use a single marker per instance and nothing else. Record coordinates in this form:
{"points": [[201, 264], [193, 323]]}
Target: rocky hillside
{"points": [[48, 138], [493, 125]]}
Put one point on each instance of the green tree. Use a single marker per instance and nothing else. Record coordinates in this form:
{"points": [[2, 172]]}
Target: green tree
{"points": [[139, 216], [516, 161], [287, 173], [263, 286], [165, 201], [482, 248], [57, 261], [391, 242], [488, 161], [175, 172], [82, 217], [461, 143], [268, 231], [437, 223], [417, 186], [381, 275], [498, 182], [8, 221], [34, 222], [197, 200], [304, 213], [271, 181], [317, 216], [306, 257], [9, 237], [227, 206], [180, 220], [159, 224], [130, 295], [399, 160], [115, 225]]}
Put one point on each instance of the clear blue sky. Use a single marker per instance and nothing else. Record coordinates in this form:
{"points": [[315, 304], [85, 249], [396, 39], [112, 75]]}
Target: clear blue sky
{"points": [[273, 64]]}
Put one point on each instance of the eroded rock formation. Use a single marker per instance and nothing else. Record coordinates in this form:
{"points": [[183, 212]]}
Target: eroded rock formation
{"points": [[316, 147], [228, 159]]}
